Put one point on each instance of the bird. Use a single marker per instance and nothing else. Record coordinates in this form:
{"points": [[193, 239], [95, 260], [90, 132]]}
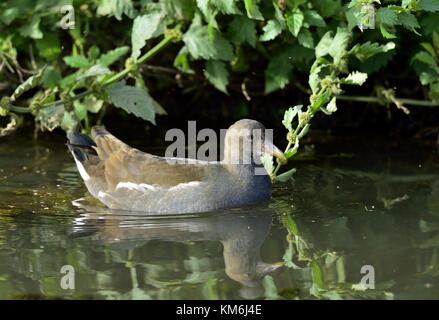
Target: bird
{"points": [[124, 178]]}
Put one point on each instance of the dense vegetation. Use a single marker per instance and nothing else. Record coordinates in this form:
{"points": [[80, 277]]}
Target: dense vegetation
{"points": [[66, 69]]}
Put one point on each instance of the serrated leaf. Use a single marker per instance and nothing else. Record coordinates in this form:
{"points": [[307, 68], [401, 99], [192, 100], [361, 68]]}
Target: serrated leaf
{"points": [[96, 70], [267, 162], [355, 77], [217, 74], [339, 44], [112, 56], [312, 18], [133, 100], [409, 21], [32, 29], [429, 5], [289, 116], [425, 58], [200, 45], [116, 8], [285, 176], [367, 50], [77, 61], [295, 21], [145, 27], [387, 16], [305, 38], [225, 6], [181, 61], [386, 34], [252, 9], [30, 83], [324, 45], [242, 30], [278, 72], [271, 30]]}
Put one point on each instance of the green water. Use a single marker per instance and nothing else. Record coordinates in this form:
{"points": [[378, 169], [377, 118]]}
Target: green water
{"points": [[365, 206]]}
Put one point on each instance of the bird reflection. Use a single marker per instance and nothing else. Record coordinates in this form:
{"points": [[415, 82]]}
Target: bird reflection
{"points": [[241, 232]]}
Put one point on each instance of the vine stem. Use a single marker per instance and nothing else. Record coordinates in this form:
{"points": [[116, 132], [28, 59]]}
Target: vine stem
{"points": [[120, 75]]}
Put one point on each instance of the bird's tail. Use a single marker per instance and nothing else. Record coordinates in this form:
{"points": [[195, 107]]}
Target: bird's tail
{"points": [[81, 146]]}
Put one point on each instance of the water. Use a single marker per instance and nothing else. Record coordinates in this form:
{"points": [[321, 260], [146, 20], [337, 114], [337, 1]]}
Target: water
{"points": [[347, 208]]}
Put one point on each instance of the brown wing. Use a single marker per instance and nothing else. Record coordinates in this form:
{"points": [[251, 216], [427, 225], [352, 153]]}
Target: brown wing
{"points": [[119, 162]]}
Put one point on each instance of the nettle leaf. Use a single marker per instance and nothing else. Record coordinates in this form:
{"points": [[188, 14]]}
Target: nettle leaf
{"points": [[425, 58], [32, 30], [217, 74], [409, 22], [225, 6], [116, 8], [295, 21], [77, 61], [387, 16], [305, 38], [385, 32], [312, 18], [145, 27], [368, 49], [133, 100], [271, 30], [429, 5], [242, 30], [252, 8], [181, 61], [51, 116], [30, 83], [289, 116], [285, 176], [201, 45], [96, 70], [324, 45], [112, 56], [339, 44], [355, 77], [278, 72], [49, 47], [267, 162]]}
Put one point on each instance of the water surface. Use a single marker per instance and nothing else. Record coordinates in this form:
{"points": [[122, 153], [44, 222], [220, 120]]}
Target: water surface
{"points": [[348, 207]]}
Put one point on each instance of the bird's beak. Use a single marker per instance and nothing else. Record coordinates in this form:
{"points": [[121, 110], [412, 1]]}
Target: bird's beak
{"points": [[271, 149]]}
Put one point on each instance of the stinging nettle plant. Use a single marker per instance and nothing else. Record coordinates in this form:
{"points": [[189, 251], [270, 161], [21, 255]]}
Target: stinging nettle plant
{"points": [[74, 75]]}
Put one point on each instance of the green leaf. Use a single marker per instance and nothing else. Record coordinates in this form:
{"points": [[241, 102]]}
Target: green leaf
{"points": [[409, 21], [317, 275], [69, 121], [225, 6], [386, 34], [49, 46], [427, 46], [116, 8], [367, 50], [339, 44], [96, 70], [51, 116], [287, 175], [145, 27], [217, 74], [30, 83], [425, 58], [92, 104], [200, 45], [80, 110], [387, 16], [312, 18], [32, 30], [295, 21], [429, 5], [242, 30], [181, 61], [324, 45], [112, 56], [355, 77], [77, 61], [271, 30], [278, 72], [133, 100], [305, 38], [251, 6], [289, 116], [267, 161]]}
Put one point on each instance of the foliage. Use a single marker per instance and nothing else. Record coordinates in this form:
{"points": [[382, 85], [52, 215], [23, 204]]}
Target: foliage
{"points": [[73, 73]]}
